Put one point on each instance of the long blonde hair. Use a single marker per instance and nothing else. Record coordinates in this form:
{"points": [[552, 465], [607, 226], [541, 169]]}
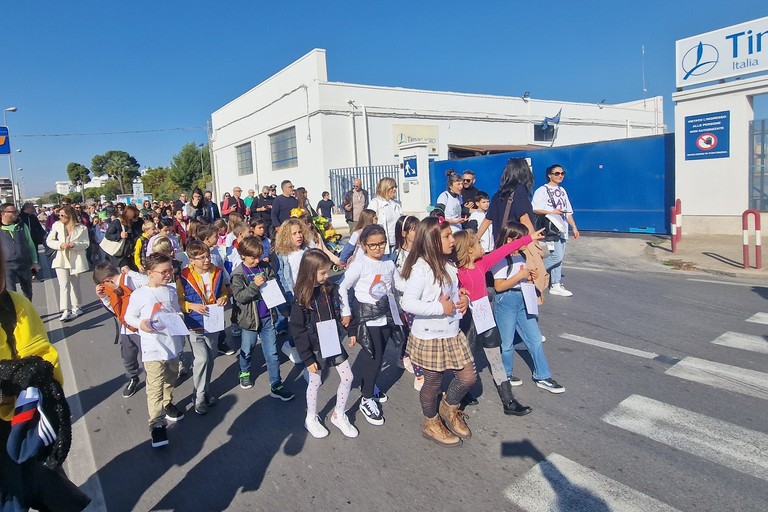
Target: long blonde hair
{"points": [[283, 242], [464, 241], [384, 186], [70, 211]]}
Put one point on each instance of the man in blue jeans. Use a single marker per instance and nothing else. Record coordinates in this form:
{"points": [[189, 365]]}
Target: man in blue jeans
{"points": [[254, 317]]}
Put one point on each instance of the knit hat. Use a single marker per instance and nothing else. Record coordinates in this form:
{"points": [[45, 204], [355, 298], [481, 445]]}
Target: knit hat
{"points": [[30, 428]]}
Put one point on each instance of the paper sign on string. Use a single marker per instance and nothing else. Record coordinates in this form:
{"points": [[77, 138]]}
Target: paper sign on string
{"points": [[271, 294], [328, 333], [482, 315], [529, 296], [214, 320]]}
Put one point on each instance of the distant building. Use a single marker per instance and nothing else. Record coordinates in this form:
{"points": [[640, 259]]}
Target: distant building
{"points": [[97, 181], [297, 125], [64, 187], [6, 190]]}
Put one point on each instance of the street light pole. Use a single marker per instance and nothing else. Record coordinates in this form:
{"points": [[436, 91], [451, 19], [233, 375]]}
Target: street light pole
{"points": [[10, 156], [202, 170]]}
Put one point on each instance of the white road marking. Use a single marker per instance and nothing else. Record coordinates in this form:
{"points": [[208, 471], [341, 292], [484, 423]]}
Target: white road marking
{"points": [[558, 483], [610, 346], [715, 440], [743, 342], [81, 463], [723, 376], [725, 282], [588, 269], [759, 318]]}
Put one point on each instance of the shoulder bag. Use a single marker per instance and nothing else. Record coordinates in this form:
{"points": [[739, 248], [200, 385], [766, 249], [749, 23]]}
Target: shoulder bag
{"points": [[115, 249]]}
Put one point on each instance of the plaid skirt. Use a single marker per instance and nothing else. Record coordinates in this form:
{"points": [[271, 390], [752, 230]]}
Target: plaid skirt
{"points": [[440, 354]]}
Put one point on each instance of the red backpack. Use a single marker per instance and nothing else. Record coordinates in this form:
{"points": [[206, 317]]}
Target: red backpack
{"points": [[118, 301]]}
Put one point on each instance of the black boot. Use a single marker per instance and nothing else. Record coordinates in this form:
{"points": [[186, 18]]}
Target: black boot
{"points": [[510, 403]]}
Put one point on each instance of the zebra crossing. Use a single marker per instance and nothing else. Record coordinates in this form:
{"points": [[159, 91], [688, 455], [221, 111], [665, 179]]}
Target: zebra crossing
{"points": [[558, 483]]}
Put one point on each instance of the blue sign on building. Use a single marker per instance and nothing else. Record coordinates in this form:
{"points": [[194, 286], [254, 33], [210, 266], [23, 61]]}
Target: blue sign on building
{"points": [[409, 168], [5, 141], [708, 136]]}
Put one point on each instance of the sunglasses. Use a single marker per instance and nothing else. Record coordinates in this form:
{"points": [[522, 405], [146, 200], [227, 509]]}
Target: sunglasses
{"points": [[558, 173], [467, 181]]}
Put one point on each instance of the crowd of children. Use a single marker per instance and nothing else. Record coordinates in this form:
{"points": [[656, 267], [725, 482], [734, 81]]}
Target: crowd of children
{"points": [[437, 296]]}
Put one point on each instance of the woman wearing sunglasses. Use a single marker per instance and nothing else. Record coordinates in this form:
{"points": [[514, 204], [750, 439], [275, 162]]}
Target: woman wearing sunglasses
{"points": [[552, 200]]}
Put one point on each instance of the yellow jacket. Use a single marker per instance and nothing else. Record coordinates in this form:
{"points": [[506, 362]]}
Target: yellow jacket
{"points": [[31, 340]]}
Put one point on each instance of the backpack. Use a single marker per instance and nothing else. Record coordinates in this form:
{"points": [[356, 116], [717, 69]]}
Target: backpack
{"points": [[119, 303], [8, 320]]}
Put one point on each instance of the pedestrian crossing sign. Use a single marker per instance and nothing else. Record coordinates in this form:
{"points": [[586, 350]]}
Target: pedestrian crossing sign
{"points": [[409, 168]]}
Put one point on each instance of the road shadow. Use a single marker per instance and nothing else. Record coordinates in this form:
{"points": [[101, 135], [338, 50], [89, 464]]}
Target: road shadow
{"points": [[93, 396], [723, 259], [570, 497], [129, 475], [762, 291], [657, 245], [253, 441]]}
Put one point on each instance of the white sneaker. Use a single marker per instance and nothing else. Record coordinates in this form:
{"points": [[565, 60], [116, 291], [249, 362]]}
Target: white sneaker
{"points": [[66, 316], [315, 428], [77, 312], [558, 289], [342, 422], [291, 352]]}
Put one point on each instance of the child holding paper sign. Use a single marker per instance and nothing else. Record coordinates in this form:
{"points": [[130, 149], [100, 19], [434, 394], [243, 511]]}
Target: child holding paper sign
{"points": [[373, 280], [510, 308], [255, 317], [314, 310], [203, 291], [159, 350], [479, 321]]}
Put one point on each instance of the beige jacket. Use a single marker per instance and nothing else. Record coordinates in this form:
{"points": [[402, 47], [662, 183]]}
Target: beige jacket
{"points": [[73, 259]]}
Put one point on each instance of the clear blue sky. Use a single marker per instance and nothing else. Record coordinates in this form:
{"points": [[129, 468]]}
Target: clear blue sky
{"points": [[94, 66]]}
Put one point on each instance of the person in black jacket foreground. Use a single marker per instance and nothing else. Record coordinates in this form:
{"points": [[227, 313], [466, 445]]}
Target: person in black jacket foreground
{"points": [[314, 316]]}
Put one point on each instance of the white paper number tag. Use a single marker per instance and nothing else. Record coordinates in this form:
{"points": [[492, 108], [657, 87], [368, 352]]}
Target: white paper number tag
{"points": [[214, 320], [482, 315], [270, 292], [328, 333], [394, 309], [529, 296]]}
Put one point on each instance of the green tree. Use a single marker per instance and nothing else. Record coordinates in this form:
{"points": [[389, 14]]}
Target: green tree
{"points": [[76, 197], [156, 182], [78, 174], [50, 198], [190, 166], [116, 164]]}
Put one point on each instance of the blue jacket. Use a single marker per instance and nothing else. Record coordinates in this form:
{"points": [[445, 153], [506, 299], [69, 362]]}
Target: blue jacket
{"points": [[190, 291]]}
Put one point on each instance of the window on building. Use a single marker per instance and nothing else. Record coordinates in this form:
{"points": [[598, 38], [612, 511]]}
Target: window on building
{"points": [[244, 159], [284, 153], [542, 135]]}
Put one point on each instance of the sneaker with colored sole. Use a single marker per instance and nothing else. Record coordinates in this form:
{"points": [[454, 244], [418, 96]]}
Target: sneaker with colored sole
{"points": [[245, 381], [550, 385]]}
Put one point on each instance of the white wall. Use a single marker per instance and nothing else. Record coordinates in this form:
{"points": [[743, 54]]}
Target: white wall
{"points": [[301, 96], [715, 192]]}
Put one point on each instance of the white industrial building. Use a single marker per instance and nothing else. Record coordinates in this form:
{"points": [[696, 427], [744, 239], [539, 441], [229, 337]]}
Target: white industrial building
{"points": [[297, 125], [64, 187]]}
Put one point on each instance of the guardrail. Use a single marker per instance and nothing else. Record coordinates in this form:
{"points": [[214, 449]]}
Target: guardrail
{"points": [[745, 236]]}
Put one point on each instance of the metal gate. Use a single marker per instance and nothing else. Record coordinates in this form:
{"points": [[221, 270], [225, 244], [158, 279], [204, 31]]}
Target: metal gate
{"points": [[758, 167], [341, 179]]}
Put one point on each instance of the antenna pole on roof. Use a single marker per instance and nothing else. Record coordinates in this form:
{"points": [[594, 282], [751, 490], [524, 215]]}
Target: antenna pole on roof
{"points": [[643, 68]]}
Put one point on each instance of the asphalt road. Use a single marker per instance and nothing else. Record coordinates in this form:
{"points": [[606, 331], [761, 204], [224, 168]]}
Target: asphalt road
{"points": [[655, 417]]}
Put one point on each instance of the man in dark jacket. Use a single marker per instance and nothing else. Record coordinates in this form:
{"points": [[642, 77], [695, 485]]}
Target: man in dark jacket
{"points": [[28, 216], [355, 201], [261, 208], [19, 251], [283, 204], [211, 205]]}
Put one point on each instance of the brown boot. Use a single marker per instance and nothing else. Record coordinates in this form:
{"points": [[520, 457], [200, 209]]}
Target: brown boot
{"points": [[454, 419], [434, 429]]}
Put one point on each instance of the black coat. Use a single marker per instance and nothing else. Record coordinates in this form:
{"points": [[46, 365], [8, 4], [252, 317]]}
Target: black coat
{"points": [[302, 323]]}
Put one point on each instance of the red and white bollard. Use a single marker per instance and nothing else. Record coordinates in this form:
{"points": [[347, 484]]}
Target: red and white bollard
{"points": [[745, 237], [679, 219], [673, 228]]}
